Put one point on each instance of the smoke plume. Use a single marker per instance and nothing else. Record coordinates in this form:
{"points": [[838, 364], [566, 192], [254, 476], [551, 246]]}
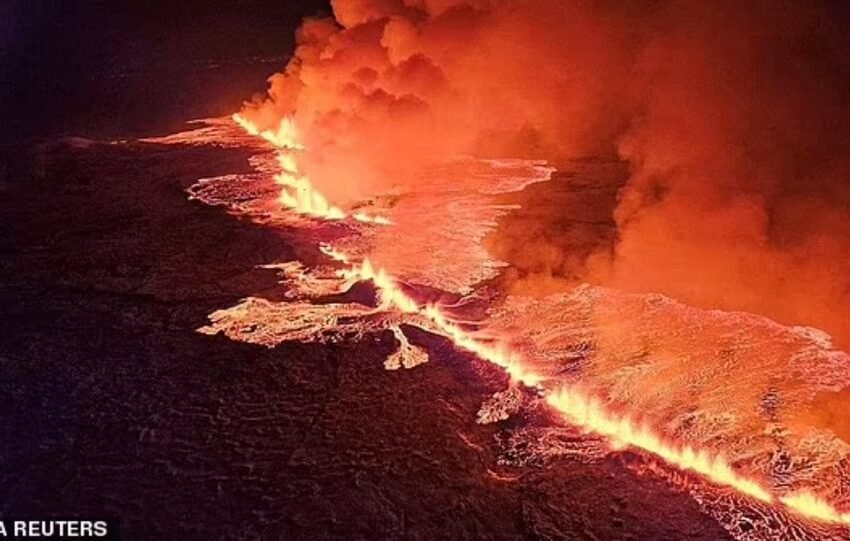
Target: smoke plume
{"points": [[731, 118], [739, 147]]}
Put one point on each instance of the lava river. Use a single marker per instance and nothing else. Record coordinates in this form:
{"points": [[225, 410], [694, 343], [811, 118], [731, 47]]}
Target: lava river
{"points": [[718, 399]]}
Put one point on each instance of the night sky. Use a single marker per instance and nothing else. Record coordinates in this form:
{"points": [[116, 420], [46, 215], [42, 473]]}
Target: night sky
{"points": [[124, 68]]}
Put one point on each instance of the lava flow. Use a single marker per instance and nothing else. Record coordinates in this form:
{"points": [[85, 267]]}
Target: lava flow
{"points": [[587, 412], [297, 191], [574, 405]]}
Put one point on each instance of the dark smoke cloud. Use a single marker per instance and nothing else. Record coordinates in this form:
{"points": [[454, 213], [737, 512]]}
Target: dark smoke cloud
{"points": [[732, 118]]}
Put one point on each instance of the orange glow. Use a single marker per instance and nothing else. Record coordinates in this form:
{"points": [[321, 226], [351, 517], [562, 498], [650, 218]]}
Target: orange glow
{"points": [[391, 294], [809, 505], [363, 217], [590, 414], [575, 406], [333, 253], [286, 135], [581, 410], [297, 192]]}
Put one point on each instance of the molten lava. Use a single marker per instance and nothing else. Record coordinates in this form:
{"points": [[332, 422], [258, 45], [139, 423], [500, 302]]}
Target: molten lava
{"points": [[574, 405], [297, 192], [285, 137], [589, 413]]}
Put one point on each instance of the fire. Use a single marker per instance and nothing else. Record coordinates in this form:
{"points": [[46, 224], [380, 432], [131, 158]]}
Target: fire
{"points": [[576, 407], [286, 135], [809, 505], [590, 414], [390, 293], [297, 192], [334, 254], [363, 217], [581, 410]]}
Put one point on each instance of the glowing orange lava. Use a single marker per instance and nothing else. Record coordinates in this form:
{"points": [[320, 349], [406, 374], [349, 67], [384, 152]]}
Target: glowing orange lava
{"points": [[286, 135], [297, 191], [575, 406], [809, 505], [589, 413]]}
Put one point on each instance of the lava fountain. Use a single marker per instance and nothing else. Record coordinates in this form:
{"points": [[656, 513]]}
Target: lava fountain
{"points": [[297, 191]]}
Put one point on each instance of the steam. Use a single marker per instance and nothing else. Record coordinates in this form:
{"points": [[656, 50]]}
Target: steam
{"points": [[731, 117]]}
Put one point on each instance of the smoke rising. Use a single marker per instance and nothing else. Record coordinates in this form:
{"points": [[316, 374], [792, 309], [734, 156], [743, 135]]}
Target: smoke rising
{"points": [[738, 195], [731, 118], [388, 86]]}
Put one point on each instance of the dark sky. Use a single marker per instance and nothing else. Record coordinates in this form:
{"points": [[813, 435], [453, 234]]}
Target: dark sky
{"points": [[121, 67]]}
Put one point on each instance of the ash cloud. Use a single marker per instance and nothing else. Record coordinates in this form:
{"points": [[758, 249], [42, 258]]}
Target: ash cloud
{"points": [[732, 118]]}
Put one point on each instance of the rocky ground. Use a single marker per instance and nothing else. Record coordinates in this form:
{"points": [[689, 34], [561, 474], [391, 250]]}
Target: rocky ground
{"points": [[112, 404]]}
